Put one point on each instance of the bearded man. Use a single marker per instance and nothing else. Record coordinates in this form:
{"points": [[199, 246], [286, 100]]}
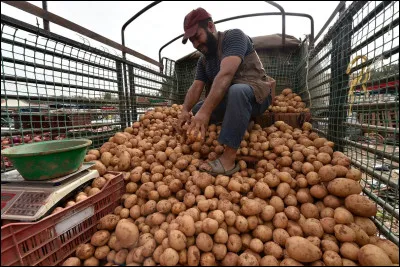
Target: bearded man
{"points": [[237, 87]]}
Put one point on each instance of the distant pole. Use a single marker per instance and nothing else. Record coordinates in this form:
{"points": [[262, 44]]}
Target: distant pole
{"points": [[46, 24]]}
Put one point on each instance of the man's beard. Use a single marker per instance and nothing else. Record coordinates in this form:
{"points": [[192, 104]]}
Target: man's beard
{"points": [[211, 44]]}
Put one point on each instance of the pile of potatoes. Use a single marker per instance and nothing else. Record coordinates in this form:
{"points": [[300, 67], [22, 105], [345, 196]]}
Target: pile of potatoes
{"points": [[299, 205], [288, 102], [96, 185]]}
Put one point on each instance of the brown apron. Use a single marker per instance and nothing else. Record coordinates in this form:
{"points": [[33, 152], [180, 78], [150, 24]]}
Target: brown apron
{"points": [[250, 72]]}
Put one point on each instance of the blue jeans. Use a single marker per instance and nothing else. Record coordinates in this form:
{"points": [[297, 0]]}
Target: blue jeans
{"points": [[234, 111]]}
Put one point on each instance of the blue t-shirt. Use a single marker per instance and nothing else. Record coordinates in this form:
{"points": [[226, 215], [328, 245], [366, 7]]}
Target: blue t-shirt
{"points": [[235, 43]]}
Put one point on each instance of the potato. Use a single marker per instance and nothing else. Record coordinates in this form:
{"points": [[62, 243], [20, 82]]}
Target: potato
{"points": [[99, 166], [283, 190], [202, 180], [210, 226], [267, 213], [344, 233], [312, 227], [294, 229], [327, 245], [362, 238], [366, 224], [221, 236], [343, 187], [72, 261], [177, 240], [331, 258], [230, 259], [207, 259], [204, 242], [360, 205], [309, 210], [347, 262], [84, 251], [302, 250], [354, 174], [332, 201], [290, 262], [272, 248], [349, 251], [234, 243], [111, 256], [120, 257], [241, 224], [219, 250], [280, 236], [193, 256], [326, 211], [328, 224], [327, 173], [314, 240], [250, 207], [284, 177], [186, 225], [343, 216], [318, 191], [262, 190], [169, 257], [92, 192], [390, 248], [371, 255], [280, 220], [101, 252], [127, 233], [106, 158], [246, 259], [113, 243], [100, 238], [262, 232], [99, 182], [92, 261], [277, 203], [269, 260]]}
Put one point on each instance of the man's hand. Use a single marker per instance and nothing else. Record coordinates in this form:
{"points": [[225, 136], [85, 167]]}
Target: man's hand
{"points": [[198, 125], [183, 117]]}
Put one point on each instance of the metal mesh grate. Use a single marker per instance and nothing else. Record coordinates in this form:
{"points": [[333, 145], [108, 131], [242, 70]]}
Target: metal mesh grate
{"points": [[280, 64], [54, 88], [352, 85]]}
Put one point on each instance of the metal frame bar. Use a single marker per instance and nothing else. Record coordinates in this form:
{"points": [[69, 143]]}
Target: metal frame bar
{"points": [[39, 12], [251, 15]]}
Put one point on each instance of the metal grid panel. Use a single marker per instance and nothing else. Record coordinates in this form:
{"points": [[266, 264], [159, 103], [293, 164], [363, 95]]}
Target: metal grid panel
{"points": [[186, 72], [54, 88], [351, 82], [280, 64], [151, 89]]}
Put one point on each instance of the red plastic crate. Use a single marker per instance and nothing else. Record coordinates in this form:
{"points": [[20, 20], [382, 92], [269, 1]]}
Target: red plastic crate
{"points": [[53, 239]]}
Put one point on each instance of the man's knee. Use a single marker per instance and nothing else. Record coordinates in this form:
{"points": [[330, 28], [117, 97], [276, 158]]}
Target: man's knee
{"points": [[240, 91]]}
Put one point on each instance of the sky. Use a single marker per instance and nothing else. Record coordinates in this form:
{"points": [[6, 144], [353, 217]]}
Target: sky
{"points": [[163, 22]]}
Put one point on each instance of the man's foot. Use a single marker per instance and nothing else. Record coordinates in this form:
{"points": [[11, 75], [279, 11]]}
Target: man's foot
{"points": [[216, 167]]}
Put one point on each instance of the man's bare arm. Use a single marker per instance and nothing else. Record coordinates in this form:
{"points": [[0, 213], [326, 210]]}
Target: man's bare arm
{"points": [[222, 81], [193, 95]]}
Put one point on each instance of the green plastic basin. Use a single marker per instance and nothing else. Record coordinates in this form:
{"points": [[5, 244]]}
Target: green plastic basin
{"points": [[49, 159]]}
